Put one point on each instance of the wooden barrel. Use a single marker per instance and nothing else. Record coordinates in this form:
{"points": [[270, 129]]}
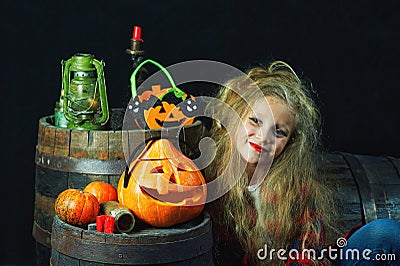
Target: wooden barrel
{"points": [[187, 244], [366, 187], [67, 158]]}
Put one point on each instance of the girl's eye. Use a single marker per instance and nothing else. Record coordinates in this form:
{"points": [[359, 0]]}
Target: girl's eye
{"points": [[255, 120], [280, 132]]}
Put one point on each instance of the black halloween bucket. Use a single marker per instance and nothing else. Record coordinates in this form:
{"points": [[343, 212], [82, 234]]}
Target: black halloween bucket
{"points": [[68, 158]]}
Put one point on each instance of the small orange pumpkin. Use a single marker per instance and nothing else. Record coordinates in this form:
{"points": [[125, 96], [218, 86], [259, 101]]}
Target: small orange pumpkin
{"points": [[76, 207], [102, 191], [164, 187]]}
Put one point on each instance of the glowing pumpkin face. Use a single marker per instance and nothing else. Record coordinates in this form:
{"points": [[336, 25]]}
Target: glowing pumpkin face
{"points": [[163, 187]]}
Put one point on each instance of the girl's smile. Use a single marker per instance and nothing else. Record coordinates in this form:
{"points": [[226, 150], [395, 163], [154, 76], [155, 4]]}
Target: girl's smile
{"points": [[257, 147]]}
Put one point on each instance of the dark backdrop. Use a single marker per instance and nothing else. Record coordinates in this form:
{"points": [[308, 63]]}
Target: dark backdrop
{"points": [[348, 49]]}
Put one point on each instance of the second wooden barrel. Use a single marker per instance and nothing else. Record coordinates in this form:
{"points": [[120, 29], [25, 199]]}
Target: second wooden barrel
{"points": [[186, 244], [366, 188]]}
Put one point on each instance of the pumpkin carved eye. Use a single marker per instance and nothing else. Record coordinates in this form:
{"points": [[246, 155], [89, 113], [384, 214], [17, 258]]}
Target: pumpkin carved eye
{"points": [[158, 169], [162, 110], [172, 179]]}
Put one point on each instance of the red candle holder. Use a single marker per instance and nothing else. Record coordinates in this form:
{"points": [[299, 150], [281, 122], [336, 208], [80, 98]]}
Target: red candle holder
{"points": [[136, 41], [105, 223], [100, 223], [109, 225], [137, 33]]}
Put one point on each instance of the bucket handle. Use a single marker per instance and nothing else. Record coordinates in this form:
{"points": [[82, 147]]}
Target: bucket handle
{"points": [[177, 91]]}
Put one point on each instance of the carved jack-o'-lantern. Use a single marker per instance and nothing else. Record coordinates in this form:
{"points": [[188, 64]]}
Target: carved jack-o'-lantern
{"points": [[157, 108], [163, 186]]}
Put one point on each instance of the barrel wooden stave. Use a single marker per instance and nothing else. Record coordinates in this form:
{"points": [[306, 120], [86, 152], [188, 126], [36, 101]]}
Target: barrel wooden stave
{"points": [[190, 245]]}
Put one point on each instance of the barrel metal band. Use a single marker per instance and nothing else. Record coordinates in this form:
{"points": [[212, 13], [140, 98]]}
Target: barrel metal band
{"points": [[364, 187], [79, 165], [396, 164], [41, 235]]}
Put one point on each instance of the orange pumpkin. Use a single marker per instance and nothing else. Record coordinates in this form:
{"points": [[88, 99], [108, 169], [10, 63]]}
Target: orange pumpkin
{"points": [[77, 207], [163, 187], [102, 191]]}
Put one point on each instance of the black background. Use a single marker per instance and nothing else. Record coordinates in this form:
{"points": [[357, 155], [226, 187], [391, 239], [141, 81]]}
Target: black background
{"points": [[348, 49]]}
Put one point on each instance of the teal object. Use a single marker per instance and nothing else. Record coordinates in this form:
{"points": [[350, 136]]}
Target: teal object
{"points": [[59, 118], [85, 104]]}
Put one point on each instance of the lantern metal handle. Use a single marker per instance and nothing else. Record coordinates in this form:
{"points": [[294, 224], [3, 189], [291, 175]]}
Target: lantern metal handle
{"points": [[99, 65]]}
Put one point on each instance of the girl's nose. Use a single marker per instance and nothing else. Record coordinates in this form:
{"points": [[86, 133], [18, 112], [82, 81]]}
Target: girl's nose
{"points": [[265, 136]]}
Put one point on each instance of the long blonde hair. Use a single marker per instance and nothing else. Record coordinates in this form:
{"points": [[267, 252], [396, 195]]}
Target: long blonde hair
{"points": [[292, 191]]}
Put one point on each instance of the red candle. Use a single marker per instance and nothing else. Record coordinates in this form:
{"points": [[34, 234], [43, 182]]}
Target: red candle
{"points": [[137, 33], [109, 225], [100, 223]]}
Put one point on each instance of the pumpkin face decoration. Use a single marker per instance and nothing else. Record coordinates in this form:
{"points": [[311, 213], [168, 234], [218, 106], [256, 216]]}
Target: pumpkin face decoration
{"points": [[166, 115], [157, 108], [163, 187], [102, 191], [76, 207]]}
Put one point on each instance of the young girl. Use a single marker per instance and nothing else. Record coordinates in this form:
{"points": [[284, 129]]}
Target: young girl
{"points": [[282, 209], [278, 203]]}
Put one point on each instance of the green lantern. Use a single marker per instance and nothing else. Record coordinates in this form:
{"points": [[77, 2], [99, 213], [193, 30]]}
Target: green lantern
{"points": [[85, 103]]}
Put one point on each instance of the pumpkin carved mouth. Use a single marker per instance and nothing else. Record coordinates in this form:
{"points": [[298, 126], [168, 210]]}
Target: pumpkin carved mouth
{"points": [[176, 194], [170, 124]]}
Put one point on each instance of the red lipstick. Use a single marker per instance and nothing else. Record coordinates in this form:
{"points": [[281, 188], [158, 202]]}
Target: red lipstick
{"points": [[255, 146]]}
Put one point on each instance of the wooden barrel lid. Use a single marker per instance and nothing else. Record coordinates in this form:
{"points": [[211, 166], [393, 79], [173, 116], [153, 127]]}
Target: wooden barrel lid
{"points": [[144, 246]]}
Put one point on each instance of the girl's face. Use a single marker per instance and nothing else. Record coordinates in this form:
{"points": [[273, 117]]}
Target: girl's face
{"points": [[261, 131]]}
